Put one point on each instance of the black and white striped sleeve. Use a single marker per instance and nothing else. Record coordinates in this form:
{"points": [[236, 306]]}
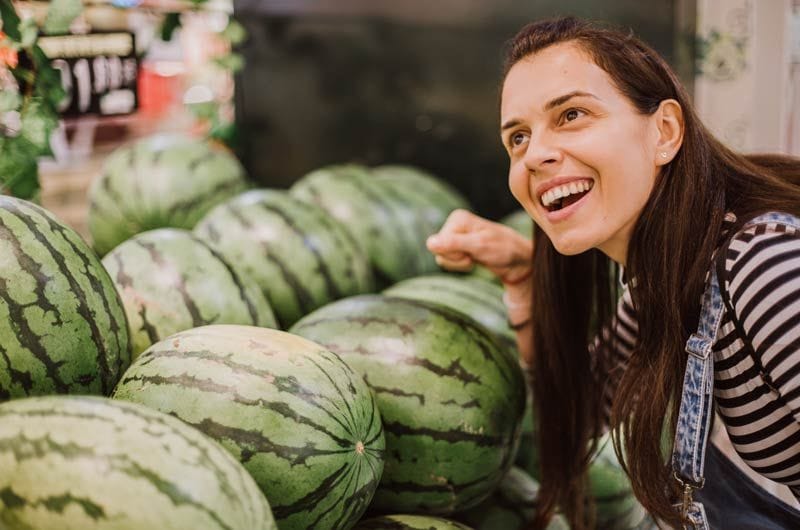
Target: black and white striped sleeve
{"points": [[763, 273]]}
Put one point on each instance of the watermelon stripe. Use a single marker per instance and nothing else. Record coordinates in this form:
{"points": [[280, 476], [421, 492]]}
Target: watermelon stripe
{"points": [[331, 288], [30, 341], [208, 385], [352, 474], [23, 378], [124, 281], [42, 447], [177, 280], [349, 415], [451, 436], [469, 326], [470, 293], [82, 309], [288, 385], [303, 296], [468, 405], [394, 391], [115, 325], [256, 442], [310, 500], [56, 503], [33, 451], [237, 281], [419, 225]]}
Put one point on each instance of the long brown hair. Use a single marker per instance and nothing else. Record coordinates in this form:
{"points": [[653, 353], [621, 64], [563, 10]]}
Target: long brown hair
{"points": [[669, 253]]}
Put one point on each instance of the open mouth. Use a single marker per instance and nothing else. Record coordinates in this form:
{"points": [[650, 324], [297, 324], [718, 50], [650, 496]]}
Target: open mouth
{"points": [[560, 197]]}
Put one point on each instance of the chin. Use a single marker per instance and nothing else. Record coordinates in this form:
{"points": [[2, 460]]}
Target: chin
{"points": [[571, 248]]}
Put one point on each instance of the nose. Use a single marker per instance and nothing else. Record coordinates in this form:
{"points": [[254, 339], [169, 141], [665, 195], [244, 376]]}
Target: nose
{"points": [[542, 152]]}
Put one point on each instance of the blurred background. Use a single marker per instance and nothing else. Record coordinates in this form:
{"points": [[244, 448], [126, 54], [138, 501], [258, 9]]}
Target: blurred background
{"points": [[298, 84]]}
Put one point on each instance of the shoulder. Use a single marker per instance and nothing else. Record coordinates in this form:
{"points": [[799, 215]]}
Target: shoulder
{"points": [[761, 250]]}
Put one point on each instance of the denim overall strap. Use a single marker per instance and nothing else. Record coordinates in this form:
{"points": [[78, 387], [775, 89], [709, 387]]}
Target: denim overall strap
{"points": [[696, 409]]}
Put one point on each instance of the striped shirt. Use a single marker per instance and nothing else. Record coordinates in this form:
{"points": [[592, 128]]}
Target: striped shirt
{"points": [[763, 281]]}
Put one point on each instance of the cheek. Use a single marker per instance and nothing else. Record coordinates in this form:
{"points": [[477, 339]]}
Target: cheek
{"points": [[518, 183]]}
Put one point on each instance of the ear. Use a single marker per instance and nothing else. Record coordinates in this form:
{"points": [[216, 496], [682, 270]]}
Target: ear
{"points": [[669, 124]]}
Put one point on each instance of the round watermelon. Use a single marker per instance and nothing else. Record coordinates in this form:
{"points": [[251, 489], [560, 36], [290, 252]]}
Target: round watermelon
{"points": [[410, 522], [165, 180], [477, 298], [617, 507], [379, 224], [80, 462], [451, 399], [300, 420], [424, 203], [62, 324], [170, 280], [512, 506], [296, 253]]}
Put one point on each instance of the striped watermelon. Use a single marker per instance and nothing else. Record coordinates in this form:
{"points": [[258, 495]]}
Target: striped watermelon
{"points": [[520, 221], [424, 202], [450, 398], [475, 297], [301, 257], [350, 194], [161, 181], [300, 420], [95, 464], [512, 506], [170, 280], [62, 325], [410, 522]]}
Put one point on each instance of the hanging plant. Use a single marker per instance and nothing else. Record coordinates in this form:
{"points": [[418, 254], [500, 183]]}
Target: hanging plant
{"points": [[30, 92]]}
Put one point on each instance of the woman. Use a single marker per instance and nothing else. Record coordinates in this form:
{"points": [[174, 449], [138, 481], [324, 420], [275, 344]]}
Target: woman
{"points": [[609, 159]]}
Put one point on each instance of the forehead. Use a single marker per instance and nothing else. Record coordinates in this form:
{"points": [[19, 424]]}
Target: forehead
{"points": [[553, 72]]}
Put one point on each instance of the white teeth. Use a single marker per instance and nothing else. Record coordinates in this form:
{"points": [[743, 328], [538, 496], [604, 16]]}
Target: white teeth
{"points": [[552, 195]]}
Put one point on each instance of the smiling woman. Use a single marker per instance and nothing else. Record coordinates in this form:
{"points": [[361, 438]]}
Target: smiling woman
{"points": [[608, 157]]}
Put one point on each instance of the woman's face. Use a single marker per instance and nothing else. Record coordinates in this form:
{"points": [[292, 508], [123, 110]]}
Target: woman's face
{"points": [[582, 158]]}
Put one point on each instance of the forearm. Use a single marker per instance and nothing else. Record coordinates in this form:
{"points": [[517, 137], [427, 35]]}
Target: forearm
{"points": [[518, 298]]}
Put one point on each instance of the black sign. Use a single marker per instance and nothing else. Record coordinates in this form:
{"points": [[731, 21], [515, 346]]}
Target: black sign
{"points": [[98, 72]]}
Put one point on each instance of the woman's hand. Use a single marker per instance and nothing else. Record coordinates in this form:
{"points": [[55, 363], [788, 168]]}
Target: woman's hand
{"points": [[467, 239]]}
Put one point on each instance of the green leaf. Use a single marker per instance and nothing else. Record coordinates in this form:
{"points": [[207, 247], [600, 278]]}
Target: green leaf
{"points": [[19, 172], [9, 100], [234, 32], [171, 22], [38, 122], [10, 19], [61, 14], [232, 62]]}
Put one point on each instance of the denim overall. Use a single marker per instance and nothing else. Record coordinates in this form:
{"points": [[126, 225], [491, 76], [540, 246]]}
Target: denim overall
{"points": [[728, 499]]}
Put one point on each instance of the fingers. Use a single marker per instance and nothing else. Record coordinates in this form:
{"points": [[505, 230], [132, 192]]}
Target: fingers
{"points": [[462, 264]]}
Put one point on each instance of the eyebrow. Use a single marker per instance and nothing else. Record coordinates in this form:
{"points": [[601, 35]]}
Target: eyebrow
{"points": [[555, 102]]}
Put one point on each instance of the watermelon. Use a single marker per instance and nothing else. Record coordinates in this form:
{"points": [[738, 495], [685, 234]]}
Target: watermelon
{"points": [[424, 202], [296, 253], [451, 399], [475, 297], [165, 180], [170, 280], [520, 221], [410, 522], [91, 463], [300, 420], [512, 506], [62, 324]]}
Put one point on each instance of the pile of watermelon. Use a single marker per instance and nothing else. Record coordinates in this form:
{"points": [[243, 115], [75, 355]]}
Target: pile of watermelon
{"points": [[260, 359]]}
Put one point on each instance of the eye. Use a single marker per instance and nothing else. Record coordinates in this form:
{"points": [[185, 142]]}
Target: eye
{"points": [[516, 139], [571, 115]]}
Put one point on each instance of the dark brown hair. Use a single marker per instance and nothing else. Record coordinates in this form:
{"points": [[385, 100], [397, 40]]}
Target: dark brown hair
{"points": [[669, 253]]}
